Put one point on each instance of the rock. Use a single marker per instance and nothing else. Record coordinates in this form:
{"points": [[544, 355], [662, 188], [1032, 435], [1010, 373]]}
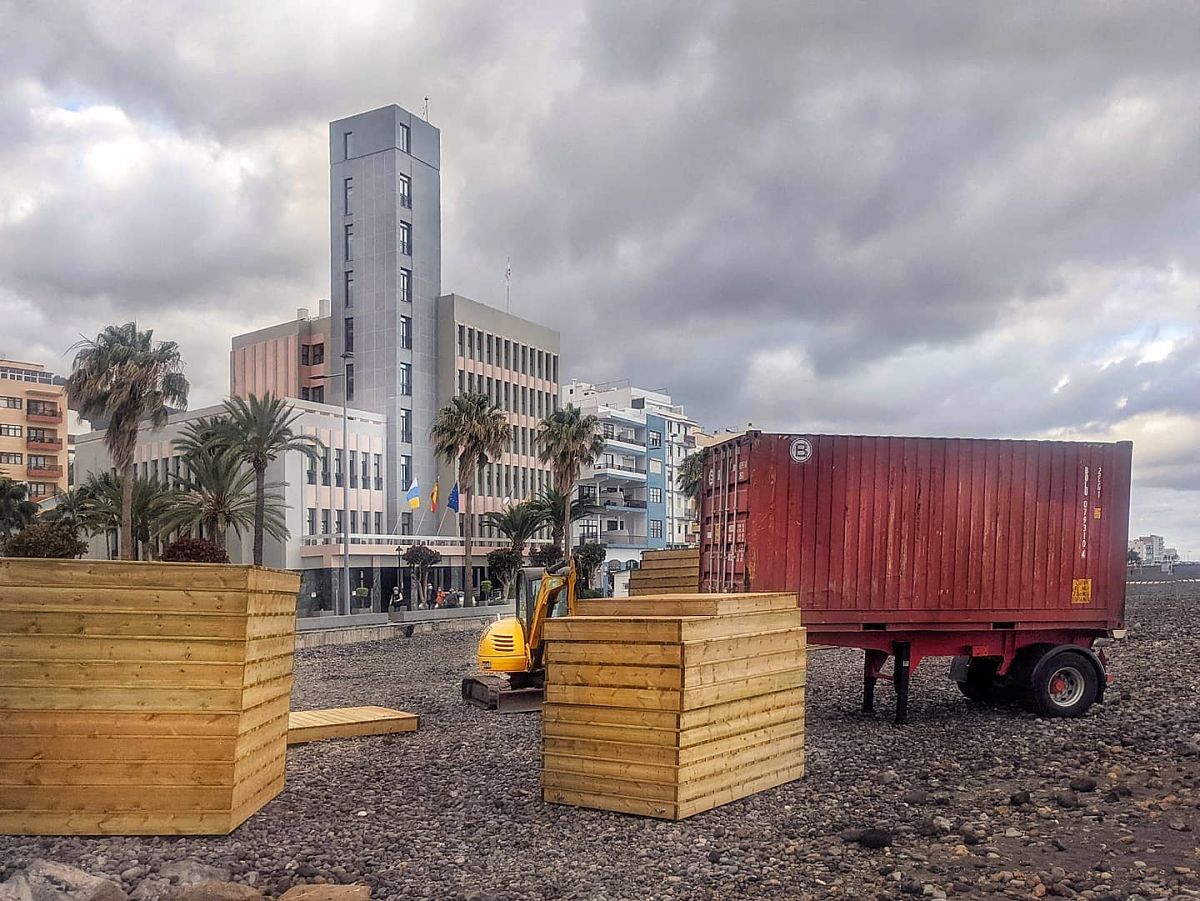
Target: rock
{"points": [[875, 838], [189, 871], [1178, 824], [916, 797], [941, 825], [1012, 832], [16, 888], [212, 890], [333, 893], [848, 836], [50, 881], [887, 777], [152, 889], [1019, 799], [1066, 799], [1083, 784]]}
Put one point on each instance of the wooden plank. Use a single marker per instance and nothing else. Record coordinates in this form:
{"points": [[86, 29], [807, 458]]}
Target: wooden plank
{"points": [[714, 650], [64, 724], [737, 791], [634, 591], [607, 652], [732, 741], [608, 785], [749, 687], [123, 625], [743, 715], [636, 806], [121, 600], [640, 735], [76, 647], [161, 749], [253, 717], [742, 668], [615, 628], [348, 722], [105, 799], [612, 750], [121, 574], [114, 772], [704, 605], [127, 674], [697, 628], [83, 697], [657, 677], [187, 822], [638, 698]]}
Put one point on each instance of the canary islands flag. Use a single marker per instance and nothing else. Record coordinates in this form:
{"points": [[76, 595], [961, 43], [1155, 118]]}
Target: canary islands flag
{"points": [[452, 500], [414, 495], [433, 495]]}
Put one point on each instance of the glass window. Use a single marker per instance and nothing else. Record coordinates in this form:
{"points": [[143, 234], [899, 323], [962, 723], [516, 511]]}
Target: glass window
{"points": [[349, 240], [347, 193], [405, 239], [324, 522], [349, 381], [325, 466], [318, 353], [353, 469], [13, 431], [406, 285], [656, 465], [405, 471], [337, 468], [489, 348], [404, 373], [379, 472], [655, 495], [11, 459], [346, 144], [12, 403], [366, 470], [353, 522], [405, 190], [378, 523], [404, 138], [405, 426], [311, 522], [337, 522], [406, 523], [461, 336], [349, 334], [654, 439], [406, 332], [656, 528], [349, 290]]}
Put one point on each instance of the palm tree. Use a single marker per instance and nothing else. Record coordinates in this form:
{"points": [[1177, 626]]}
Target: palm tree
{"points": [[470, 431], [518, 523], [149, 504], [16, 509], [552, 504], [200, 435], [688, 476], [569, 440], [76, 508], [125, 375], [217, 493], [260, 430]]}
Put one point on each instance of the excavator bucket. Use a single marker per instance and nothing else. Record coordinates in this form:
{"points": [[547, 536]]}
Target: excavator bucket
{"points": [[495, 693]]}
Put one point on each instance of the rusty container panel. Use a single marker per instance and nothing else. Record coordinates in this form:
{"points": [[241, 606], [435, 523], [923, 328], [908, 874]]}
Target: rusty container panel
{"points": [[921, 533]]}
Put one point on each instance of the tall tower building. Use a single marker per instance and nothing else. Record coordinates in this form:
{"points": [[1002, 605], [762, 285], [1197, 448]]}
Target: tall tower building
{"points": [[385, 279]]}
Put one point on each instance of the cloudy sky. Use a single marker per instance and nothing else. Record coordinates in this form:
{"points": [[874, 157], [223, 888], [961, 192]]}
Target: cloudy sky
{"points": [[918, 218]]}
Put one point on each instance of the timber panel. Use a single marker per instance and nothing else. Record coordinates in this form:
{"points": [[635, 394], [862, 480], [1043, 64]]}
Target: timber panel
{"points": [[666, 572], [347, 722], [696, 703], [141, 698]]}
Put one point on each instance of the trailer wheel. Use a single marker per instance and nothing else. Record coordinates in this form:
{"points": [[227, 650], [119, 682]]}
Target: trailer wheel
{"points": [[980, 682], [1064, 683]]}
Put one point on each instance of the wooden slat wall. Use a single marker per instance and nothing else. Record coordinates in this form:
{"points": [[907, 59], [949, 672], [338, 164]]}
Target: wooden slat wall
{"points": [[141, 698], [675, 571], [692, 703]]}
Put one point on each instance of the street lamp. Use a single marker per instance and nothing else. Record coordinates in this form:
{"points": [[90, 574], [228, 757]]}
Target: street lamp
{"points": [[346, 358]]}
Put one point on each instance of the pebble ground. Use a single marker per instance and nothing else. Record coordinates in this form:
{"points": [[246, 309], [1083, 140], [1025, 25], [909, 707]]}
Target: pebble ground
{"points": [[966, 801]]}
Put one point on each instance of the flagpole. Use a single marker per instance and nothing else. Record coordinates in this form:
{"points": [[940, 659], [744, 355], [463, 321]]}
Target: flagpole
{"points": [[507, 285]]}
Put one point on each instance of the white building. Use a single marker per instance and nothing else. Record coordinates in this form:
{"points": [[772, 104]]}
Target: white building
{"points": [[1150, 549], [635, 480]]}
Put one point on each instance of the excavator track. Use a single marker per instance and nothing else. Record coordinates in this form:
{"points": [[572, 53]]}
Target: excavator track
{"points": [[496, 693]]}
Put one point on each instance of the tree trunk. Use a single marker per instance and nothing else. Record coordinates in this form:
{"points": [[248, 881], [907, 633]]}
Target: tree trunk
{"points": [[260, 512], [468, 559], [125, 544]]}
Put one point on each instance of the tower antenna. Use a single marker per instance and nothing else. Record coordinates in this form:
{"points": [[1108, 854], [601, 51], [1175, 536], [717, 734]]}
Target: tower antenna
{"points": [[426, 109]]}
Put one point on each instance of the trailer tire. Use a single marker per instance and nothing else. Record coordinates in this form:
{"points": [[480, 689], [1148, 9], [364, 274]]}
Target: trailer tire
{"points": [[1064, 684], [980, 682]]}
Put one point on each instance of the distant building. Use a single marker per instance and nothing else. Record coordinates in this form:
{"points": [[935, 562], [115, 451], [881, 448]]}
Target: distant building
{"points": [[33, 439], [635, 479], [1150, 549], [287, 360]]}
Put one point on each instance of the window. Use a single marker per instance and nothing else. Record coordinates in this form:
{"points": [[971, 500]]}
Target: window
{"points": [[507, 354], [324, 466], [379, 471], [337, 522], [405, 191], [349, 290], [406, 285], [317, 394], [378, 523], [353, 522], [311, 473], [305, 354], [655, 495], [353, 469], [406, 332], [12, 403], [610, 431], [38, 489], [346, 144], [41, 408], [405, 377], [311, 522], [349, 381], [14, 431], [404, 138], [654, 439], [318, 353], [405, 471], [656, 528], [405, 239], [489, 348], [349, 242], [11, 459], [347, 193], [324, 522], [337, 468], [656, 466], [349, 334], [406, 523], [366, 470], [460, 381], [404, 426], [461, 337]]}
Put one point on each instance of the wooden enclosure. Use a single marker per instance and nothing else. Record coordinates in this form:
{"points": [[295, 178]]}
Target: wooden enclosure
{"points": [[141, 698], [695, 701], [675, 571]]}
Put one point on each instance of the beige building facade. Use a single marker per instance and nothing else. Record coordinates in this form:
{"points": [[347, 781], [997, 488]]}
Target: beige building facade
{"points": [[287, 360], [33, 435]]}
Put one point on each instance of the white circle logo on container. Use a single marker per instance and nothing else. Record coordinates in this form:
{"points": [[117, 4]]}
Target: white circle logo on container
{"points": [[801, 450]]}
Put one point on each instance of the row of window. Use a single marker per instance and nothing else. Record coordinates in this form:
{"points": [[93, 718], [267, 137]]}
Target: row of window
{"points": [[36, 461], [362, 522], [514, 482], [403, 240], [405, 287], [14, 374], [361, 469], [316, 395], [312, 354], [590, 529], [403, 138], [403, 193], [484, 347], [37, 407], [510, 397]]}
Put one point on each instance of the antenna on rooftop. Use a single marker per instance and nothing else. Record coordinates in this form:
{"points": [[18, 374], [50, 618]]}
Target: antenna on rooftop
{"points": [[426, 116]]}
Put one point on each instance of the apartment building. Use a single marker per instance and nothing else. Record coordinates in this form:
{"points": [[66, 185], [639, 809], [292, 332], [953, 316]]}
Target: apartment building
{"points": [[33, 438], [513, 361], [287, 360], [635, 479]]}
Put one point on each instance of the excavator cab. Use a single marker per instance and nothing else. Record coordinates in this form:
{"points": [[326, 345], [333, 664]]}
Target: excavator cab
{"points": [[510, 650]]}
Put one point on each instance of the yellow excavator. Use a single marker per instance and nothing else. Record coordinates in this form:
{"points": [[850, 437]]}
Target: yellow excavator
{"points": [[511, 650]]}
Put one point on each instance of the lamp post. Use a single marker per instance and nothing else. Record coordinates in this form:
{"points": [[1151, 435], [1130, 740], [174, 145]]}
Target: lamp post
{"points": [[346, 358]]}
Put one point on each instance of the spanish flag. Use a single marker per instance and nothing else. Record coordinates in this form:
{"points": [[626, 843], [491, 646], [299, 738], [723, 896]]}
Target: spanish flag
{"points": [[433, 495], [414, 495]]}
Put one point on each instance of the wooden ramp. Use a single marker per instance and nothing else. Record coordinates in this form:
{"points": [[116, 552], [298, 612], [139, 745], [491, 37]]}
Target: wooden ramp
{"points": [[347, 722]]}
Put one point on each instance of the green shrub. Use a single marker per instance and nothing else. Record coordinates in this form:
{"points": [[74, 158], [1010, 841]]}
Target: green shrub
{"points": [[194, 550], [54, 539]]}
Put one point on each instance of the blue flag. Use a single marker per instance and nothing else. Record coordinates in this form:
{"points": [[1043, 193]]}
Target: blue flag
{"points": [[452, 500]]}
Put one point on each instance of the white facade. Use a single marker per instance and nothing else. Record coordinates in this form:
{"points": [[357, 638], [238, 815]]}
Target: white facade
{"points": [[1150, 548]]}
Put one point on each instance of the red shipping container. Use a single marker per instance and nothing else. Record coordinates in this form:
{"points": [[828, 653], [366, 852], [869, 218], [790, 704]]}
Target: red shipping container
{"points": [[954, 547]]}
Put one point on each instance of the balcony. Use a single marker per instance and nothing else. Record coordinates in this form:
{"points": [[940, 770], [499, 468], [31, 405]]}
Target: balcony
{"points": [[622, 503], [44, 471], [43, 442], [622, 538], [48, 413], [620, 471]]}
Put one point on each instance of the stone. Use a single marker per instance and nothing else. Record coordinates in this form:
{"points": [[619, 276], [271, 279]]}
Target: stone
{"points": [[16, 888], [915, 796], [189, 871], [1178, 824], [58, 882], [152, 888], [212, 890], [875, 838], [1066, 799], [1019, 799], [335, 892], [1083, 784], [941, 825]]}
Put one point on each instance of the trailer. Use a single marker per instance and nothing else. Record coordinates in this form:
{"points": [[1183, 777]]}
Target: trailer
{"points": [[1007, 556]]}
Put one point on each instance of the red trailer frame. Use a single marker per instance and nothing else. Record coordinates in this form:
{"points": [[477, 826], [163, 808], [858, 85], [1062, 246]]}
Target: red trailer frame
{"points": [[1007, 555]]}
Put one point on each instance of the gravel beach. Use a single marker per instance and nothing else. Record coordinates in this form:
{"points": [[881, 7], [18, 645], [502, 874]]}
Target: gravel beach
{"points": [[965, 801]]}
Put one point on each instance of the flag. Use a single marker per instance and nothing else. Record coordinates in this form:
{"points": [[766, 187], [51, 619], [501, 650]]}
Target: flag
{"points": [[414, 495], [452, 500], [433, 496]]}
